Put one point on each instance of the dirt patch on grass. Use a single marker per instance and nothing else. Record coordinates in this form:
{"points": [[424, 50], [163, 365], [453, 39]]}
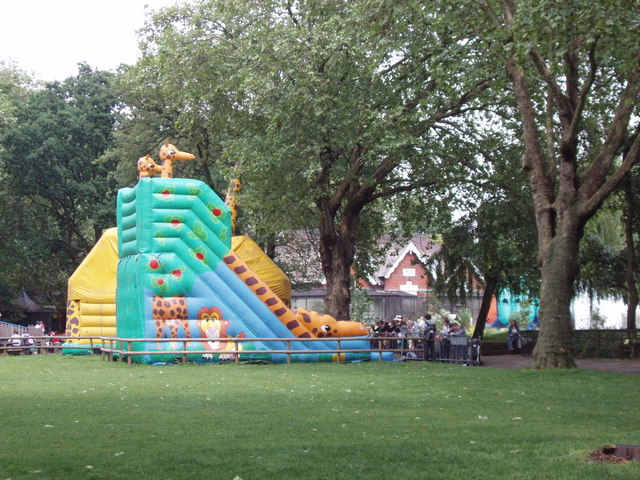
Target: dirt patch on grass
{"points": [[616, 454], [600, 456]]}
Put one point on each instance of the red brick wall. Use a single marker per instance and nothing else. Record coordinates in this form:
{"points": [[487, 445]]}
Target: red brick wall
{"points": [[396, 278]]}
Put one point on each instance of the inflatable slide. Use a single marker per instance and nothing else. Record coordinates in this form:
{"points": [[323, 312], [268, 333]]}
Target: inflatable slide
{"points": [[178, 277]]}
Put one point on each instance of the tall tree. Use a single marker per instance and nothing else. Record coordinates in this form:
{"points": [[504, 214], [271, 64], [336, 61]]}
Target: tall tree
{"points": [[631, 231], [334, 106], [574, 67], [491, 238], [50, 157], [23, 250]]}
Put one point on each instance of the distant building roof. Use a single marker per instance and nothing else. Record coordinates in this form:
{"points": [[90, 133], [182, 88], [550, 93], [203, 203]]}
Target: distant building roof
{"points": [[298, 256], [422, 246], [23, 300]]}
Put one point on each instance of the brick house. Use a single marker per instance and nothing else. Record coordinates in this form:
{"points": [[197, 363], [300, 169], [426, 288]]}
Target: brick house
{"points": [[404, 268], [401, 285]]}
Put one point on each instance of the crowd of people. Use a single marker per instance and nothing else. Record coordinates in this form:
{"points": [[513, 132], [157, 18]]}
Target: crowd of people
{"points": [[27, 344], [421, 338]]}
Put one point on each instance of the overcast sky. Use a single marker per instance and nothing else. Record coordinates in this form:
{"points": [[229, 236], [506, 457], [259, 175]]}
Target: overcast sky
{"points": [[48, 38]]}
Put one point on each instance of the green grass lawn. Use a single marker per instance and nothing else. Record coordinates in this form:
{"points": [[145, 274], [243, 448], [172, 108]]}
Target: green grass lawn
{"points": [[82, 418]]}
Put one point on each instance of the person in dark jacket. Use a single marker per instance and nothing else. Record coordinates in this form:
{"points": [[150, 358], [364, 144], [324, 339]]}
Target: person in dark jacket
{"points": [[513, 336]]}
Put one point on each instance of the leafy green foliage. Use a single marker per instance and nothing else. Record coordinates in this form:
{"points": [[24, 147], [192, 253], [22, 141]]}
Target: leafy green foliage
{"points": [[323, 110], [464, 317], [361, 306], [602, 271], [50, 157], [55, 198], [28, 252], [493, 235], [14, 88]]}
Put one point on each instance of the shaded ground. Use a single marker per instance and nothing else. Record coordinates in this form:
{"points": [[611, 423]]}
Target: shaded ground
{"points": [[511, 362]]}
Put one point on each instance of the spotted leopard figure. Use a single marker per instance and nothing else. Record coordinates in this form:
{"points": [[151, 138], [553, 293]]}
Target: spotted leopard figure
{"points": [[72, 327], [170, 312]]}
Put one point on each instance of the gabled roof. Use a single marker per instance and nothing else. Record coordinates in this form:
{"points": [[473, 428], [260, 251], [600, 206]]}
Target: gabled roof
{"points": [[299, 257], [23, 300], [422, 246]]}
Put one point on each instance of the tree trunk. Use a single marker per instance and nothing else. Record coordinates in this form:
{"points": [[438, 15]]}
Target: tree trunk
{"points": [[336, 254], [339, 222], [632, 266], [337, 250], [487, 296], [270, 244], [554, 348], [338, 298]]}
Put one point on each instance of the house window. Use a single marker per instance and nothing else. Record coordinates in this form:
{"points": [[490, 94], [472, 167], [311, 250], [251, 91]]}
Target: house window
{"points": [[408, 272]]}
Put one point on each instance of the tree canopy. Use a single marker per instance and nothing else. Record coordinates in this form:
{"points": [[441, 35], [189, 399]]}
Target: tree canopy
{"points": [[325, 109], [574, 67], [55, 198]]}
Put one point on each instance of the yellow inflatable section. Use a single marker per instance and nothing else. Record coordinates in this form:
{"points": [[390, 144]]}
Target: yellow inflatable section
{"points": [[91, 292], [264, 268]]}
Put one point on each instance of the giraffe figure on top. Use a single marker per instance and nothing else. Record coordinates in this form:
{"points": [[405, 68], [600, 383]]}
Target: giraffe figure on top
{"points": [[231, 201], [147, 166], [169, 154]]}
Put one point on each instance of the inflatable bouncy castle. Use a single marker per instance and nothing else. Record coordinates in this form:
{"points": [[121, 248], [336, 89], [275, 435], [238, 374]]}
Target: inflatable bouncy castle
{"points": [[181, 275], [508, 305], [91, 294]]}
